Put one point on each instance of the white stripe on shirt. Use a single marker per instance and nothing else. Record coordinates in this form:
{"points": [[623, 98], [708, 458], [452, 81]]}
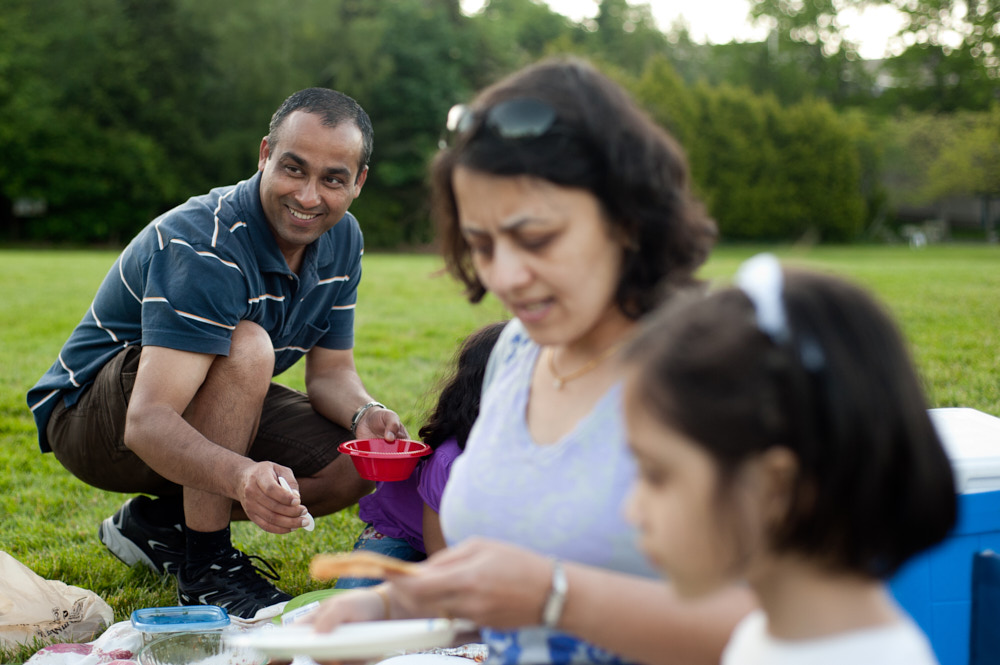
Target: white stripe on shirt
{"points": [[127, 287], [45, 399], [266, 296], [178, 241], [338, 278], [72, 375], [215, 214], [189, 315], [101, 325], [210, 322], [159, 236]]}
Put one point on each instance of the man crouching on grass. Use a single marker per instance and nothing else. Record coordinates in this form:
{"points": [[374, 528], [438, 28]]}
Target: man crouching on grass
{"points": [[165, 387]]}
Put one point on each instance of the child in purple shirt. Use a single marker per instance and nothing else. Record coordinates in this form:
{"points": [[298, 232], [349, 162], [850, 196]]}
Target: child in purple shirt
{"points": [[401, 517]]}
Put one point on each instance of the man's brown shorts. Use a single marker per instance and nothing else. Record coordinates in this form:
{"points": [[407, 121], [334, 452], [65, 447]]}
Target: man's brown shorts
{"points": [[87, 438]]}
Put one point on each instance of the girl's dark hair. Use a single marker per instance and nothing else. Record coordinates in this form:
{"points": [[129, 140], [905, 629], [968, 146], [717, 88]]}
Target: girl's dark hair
{"points": [[601, 142], [874, 485], [458, 404]]}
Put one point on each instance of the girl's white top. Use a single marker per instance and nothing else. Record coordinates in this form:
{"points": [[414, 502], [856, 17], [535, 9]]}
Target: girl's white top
{"points": [[900, 643]]}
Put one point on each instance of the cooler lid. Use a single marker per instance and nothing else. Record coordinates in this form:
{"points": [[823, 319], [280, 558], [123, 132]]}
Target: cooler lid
{"points": [[972, 440]]}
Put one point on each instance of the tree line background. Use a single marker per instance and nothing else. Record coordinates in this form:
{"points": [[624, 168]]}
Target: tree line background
{"points": [[112, 111]]}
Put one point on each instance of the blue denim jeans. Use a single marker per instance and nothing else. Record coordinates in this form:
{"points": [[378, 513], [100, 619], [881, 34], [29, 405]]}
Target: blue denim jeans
{"points": [[373, 541]]}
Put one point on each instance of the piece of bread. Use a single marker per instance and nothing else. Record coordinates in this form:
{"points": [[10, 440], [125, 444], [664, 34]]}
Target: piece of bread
{"points": [[359, 564]]}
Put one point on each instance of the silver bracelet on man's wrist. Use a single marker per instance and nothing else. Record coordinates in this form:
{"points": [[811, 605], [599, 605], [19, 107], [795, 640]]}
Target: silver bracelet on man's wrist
{"points": [[553, 609], [360, 413]]}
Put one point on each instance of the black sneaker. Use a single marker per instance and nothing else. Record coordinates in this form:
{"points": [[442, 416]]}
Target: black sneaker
{"points": [[134, 540], [234, 583]]}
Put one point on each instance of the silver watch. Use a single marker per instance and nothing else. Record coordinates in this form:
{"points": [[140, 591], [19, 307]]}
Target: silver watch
{"points": [[553, 609], [360, 413]]}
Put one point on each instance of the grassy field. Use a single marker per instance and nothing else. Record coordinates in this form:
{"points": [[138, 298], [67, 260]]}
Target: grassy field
{"points": [[410, 319]]}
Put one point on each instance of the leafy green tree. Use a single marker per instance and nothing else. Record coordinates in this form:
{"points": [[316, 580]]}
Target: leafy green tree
{"points": [[953, 55], [115, 110], [932, 78], [913, 141], [84, 114], [789, 70], [126, 107], [669, 100], [937, 22], [430, 58], [258, 52], [737, 165], [765, 171], [867, 143], [625, 35], [820, 160], [931, 157], [970, 163], [814, 22], [526, 29]]}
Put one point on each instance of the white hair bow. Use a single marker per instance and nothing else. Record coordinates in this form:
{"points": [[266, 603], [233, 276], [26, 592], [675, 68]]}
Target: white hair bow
{"points": [[760, 277]]}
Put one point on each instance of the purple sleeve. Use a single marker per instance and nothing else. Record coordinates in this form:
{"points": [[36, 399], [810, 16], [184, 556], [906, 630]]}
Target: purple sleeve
{"points": [[435, 473]]}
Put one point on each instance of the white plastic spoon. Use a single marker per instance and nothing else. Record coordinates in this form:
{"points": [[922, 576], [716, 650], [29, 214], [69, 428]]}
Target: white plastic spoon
{"points": [[311, 523]]}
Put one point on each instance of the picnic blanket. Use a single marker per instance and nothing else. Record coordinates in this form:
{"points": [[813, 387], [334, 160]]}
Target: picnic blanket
{"points": [[120, 644]]}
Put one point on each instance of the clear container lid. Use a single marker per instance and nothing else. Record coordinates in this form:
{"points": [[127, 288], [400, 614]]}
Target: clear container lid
{"points": [[173, 619]]}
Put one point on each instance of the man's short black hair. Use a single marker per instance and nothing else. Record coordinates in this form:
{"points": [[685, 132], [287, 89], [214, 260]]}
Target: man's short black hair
{"points": [[334, 108]]}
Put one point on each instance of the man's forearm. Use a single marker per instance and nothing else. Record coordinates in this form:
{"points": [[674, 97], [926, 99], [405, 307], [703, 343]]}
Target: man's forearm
{"points": [[178, 452], [337, 396]]}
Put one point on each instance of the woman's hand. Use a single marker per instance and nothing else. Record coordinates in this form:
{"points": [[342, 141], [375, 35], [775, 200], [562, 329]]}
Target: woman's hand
{"points": [[488, 582], [364, 604]]}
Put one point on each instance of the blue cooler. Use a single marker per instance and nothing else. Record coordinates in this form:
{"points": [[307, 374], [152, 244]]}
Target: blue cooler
{"points": [[936, 586]]}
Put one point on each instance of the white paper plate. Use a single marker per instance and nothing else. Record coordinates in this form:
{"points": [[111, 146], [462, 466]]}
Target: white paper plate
{"points": [[352, 641]]}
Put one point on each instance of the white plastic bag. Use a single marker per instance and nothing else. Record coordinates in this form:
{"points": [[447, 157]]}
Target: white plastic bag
{"points": [[31, 606]]}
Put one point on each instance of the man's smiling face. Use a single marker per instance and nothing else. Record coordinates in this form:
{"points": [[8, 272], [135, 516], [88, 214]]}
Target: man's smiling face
{"points": [[310, 175]]}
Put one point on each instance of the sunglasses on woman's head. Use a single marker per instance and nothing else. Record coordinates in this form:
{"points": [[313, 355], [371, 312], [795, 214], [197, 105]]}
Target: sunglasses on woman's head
{"points": [[511, 120]]}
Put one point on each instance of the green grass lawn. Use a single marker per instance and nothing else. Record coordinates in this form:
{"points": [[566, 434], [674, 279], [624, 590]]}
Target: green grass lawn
{"points": [[409, 321]]}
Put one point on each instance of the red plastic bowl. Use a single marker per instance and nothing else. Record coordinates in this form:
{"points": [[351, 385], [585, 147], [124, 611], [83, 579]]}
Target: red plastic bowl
{"points": [[378, 459]]}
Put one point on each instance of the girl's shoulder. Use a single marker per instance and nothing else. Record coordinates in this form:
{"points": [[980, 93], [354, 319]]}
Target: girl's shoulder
{"points": [[443, 455], [899, 643]]}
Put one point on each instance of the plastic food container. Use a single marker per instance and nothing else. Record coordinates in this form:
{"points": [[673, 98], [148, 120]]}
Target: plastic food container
{"points": [[203, 648], [378, 459], [156, 622]]}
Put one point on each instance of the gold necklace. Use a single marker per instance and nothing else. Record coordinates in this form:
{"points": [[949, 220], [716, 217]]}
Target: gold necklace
{"points": [[559, 381]]}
